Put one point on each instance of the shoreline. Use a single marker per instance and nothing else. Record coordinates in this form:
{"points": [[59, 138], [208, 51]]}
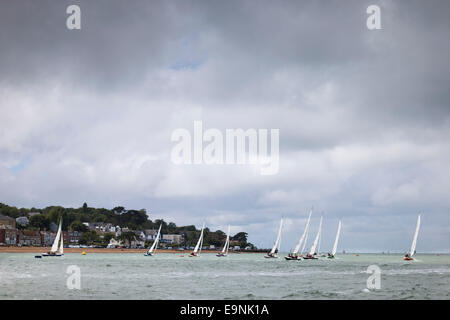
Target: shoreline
{"points": [[103, 250]]}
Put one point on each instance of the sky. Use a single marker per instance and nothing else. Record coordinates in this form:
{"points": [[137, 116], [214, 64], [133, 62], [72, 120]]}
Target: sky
{"points": [[364, 115]]}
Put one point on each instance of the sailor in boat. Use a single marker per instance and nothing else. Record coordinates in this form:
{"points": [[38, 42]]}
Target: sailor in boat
{"points": [[331, 256], [407, 257]]}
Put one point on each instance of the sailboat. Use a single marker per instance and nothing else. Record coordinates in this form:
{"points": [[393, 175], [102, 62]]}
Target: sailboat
{"points": [[152, 250], [294, 254], [276, 247], [409, 256], [333, 252], [224, 252], [312, 252], [318, 247], [55, 251], [198, 246]]}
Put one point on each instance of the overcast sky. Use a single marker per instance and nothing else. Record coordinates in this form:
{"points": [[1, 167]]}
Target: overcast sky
{"points": [[364, 116]]}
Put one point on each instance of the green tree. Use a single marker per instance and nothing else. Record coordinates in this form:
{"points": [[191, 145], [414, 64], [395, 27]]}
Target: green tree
{"points": [[127, 237], [89, 238], [40, 222], [78, 226]]}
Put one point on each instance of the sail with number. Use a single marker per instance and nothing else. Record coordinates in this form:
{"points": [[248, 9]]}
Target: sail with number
{"points": [[200, 240], [276, 246], [413, 245], [299, 244], [227, 243], [56, 241], [316, 240], [333, 252], [155, 243]]}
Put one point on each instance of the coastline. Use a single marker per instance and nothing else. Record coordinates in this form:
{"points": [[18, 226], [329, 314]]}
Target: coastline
{"points": [[6, 249]]}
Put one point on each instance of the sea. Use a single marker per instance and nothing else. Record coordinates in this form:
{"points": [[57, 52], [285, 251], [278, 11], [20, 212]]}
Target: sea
{"points": [[245, 276]]}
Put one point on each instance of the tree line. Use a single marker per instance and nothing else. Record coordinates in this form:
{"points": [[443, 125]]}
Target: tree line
{"points": [[73, 219]]}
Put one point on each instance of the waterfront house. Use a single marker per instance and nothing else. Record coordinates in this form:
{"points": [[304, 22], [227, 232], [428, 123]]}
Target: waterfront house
{"points": [[172, 238], [7, 222], [29, 238], [8, 236], [23, 221]]}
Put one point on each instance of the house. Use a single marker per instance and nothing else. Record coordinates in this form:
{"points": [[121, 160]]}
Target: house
{"points": [[113, 243], [172, 238], [33, 214], [7, 222], [47, 238], [74, 236], [23, 221], [8, 236], [29, 238], [150, 235]]}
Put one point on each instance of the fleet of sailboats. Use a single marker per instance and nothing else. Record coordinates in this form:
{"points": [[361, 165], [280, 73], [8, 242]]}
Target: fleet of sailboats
{"points": [[276, 246], [409, 256], [151, 251], [56, 251]]}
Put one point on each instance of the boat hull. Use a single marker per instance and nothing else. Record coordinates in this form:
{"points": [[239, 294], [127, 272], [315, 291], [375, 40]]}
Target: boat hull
{"points": [[293, 258], [52, 255], [408, 258], [271, 257], [221, 255]]}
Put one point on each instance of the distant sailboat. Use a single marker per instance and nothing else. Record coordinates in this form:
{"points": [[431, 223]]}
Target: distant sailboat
{"points": [[152, 250], [409, 256], [312, 251], [333, 252], [294, 254], [276, 247], [198, 246], [224, 252], [54, 251]]}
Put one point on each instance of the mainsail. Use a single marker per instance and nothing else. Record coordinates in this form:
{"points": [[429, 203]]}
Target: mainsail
{"points": [[58, 235], [333, 252], [316, 240], [413, 245], [299, 244], [227, 243], [155, 243], [276, 245], [200, 240]]}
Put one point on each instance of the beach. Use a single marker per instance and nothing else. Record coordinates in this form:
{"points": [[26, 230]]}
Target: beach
{"points": [[14, 249]]}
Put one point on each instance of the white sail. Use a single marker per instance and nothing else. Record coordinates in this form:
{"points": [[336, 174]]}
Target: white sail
{"points": [[277, 242], [61, 245], [333, 252], [58, 235], [316, 240], [413, 245], [155, 243], [227, 242], [299, 244], [200, 240], [305, 241]]}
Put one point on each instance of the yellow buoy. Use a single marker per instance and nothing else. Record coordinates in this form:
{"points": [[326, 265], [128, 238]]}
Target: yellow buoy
{"points": [[83, 253]]}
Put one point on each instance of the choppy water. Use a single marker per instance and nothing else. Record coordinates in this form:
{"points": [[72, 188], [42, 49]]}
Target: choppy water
{"points": [[239, 276]]}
